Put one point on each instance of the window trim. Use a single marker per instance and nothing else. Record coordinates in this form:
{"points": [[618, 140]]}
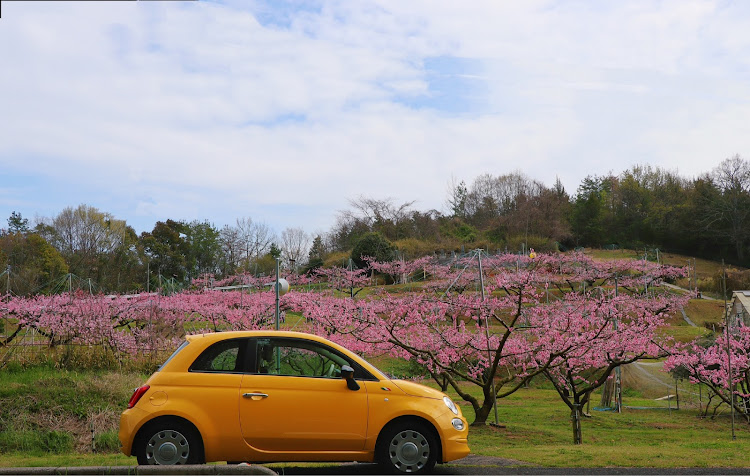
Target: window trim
{"points": [[177, 351]]}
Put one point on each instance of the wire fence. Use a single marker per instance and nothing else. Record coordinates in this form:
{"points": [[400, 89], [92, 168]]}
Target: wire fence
{"points": [[645, 386]]}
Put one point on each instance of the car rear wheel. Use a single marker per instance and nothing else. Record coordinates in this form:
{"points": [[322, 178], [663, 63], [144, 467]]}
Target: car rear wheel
{"points": [[169, 443], [408, 448]]}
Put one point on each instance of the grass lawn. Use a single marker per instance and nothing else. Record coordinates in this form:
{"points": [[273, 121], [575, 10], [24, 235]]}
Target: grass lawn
{"points": [[538, 431], [704, 312]]}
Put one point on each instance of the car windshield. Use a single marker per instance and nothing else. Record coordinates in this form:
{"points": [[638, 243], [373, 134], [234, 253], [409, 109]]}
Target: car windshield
{"points": [[387, 375]]}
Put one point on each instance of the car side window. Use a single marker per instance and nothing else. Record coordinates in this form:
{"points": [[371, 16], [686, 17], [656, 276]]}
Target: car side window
{"points": [[221, 357], [298, 359]]}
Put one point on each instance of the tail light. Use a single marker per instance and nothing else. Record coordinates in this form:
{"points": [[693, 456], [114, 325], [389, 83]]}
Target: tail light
{"points": [[137, 394]]}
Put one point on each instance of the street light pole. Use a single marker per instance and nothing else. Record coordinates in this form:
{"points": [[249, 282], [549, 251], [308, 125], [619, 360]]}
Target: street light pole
{"points": [[276, 287]]}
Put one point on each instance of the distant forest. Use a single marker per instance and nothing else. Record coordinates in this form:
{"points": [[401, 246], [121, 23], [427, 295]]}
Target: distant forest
{"points": [[640, 208]]}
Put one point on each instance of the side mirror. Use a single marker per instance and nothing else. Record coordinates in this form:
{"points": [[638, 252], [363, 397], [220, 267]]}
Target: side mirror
{"points": [[348, 373]]}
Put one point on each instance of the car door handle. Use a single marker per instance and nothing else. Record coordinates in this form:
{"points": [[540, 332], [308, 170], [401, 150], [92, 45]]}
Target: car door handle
{"points": [[255, 396]]}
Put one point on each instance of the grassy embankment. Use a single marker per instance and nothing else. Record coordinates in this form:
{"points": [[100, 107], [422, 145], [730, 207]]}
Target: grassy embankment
{"points": [[47, 416]]}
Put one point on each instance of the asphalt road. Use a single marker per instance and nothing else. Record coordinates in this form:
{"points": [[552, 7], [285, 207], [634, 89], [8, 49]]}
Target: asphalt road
{"points": [[473, 464]]}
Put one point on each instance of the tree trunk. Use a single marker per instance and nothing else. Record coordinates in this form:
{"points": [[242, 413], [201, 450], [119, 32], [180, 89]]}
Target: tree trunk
{"points": [[608, 391], [482, 412], [575, 416]]}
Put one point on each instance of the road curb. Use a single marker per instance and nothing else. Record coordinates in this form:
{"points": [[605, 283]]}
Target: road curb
{"points": [[199, 469]]}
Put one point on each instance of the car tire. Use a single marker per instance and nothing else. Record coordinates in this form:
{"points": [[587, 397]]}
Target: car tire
{"points": [[407, 448], [169, 443]]}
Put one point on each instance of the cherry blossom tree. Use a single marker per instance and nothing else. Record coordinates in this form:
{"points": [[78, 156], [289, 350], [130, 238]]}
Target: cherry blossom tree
{"points": [[446, 278], [710, 364], [134, 324], [399, 270], [80, 319], [500, 342], [344, 280], [590, 335]]}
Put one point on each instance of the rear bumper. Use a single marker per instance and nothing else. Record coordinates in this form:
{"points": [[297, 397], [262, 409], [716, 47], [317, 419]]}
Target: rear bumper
{"points": [[130, 422]]}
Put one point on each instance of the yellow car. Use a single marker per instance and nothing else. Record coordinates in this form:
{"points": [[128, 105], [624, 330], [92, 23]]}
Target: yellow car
{"points": [[262, 396]]}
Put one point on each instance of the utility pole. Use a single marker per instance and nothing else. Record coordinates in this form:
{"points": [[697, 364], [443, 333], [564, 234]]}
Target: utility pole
{"points": [[618, 370], [487, 332], [695, 275], [729, 348]]}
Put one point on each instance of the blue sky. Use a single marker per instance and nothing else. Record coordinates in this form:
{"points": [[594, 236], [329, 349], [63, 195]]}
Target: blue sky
{"points": [[283, 111]]}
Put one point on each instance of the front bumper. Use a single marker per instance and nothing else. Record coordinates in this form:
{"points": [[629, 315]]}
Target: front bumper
{"points": [[455, 442], [455, 447]]}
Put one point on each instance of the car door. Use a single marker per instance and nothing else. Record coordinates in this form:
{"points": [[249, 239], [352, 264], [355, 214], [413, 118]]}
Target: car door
{"points": [[295, 399]]}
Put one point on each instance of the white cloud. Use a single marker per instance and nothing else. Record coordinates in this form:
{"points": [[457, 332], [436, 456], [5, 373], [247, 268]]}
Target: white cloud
{"points": [[155, 110]]}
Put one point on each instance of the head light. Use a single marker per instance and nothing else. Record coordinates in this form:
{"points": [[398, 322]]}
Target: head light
{"points": [[449, 403], [458, 424]]}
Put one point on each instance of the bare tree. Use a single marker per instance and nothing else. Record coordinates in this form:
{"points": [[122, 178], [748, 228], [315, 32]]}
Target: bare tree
{"points": [[85, 231], [370, 214], [91, 241], [295, 243], [730, 214], [491, 197], [254, 238], [232, 248], [373, 210]]}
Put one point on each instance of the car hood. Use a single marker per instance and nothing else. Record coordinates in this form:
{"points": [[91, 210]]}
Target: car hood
{"points": [[418, 390]]}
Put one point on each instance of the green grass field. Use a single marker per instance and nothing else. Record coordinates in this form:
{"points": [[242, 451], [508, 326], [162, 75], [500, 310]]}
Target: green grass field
{"points": [[538, 431]]}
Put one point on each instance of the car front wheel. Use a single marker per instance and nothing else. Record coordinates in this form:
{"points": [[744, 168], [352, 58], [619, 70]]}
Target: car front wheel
{"points": [[408, 448], [169, 443]]}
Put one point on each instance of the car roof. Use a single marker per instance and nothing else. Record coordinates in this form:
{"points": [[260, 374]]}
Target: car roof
{"points": [[217, 336]]}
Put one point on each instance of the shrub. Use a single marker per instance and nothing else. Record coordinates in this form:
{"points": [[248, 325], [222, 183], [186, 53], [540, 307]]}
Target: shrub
{"points": [[737, 280], [457, 228], [373, 245], [107, 442]]}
